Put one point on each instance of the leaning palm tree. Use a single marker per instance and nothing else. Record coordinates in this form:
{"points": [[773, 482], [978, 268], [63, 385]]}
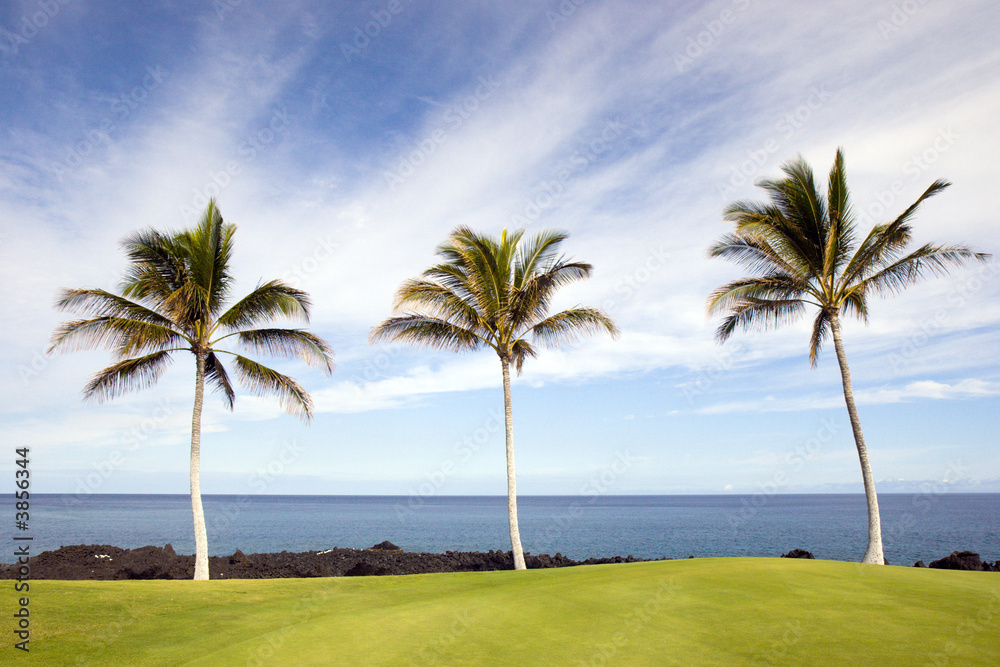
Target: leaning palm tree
{"points": [[493, 293], [803, 251], [173, 299]]}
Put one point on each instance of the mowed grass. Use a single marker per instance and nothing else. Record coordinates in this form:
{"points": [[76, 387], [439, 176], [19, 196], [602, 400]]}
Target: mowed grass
{"points": [[715, 611]]}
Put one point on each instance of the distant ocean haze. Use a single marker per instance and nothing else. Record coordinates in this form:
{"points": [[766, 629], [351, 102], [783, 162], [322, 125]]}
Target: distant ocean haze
{"points": [[914, 526]]}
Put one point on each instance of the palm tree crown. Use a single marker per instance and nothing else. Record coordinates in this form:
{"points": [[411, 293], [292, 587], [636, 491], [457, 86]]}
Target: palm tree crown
{"points": [[492, 292], [804, 251], [173, 299]]}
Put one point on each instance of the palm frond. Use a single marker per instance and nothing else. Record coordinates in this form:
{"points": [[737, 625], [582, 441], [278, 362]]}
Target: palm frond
{"points": [[753, 253], [774, 234], [452, 277], [429, 332], [820, 332], [289, 343], [840, 233], [125, 337], [885, 242], [802, 205], [855, 302], [569, 325], [758, 314], [775, 287], [156, 268], [101, 303], [911, 268], [127, 375], [208, 252], [266, 303], [216, 375], [439, 301], [487, 266], [263, 381], [520, 350], [538, 252], [531, 302]]}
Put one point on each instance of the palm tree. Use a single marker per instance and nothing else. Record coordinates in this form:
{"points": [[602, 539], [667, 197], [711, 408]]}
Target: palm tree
{"points": [[803, 251], [493, 293], [173, 299]]}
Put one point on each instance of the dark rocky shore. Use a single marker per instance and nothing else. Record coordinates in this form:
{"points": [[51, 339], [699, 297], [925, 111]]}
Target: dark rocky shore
{"points": [[956, 560], [103, 562]]}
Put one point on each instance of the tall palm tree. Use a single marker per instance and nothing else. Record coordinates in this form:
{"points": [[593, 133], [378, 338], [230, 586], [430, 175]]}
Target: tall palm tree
{"points": [[173, 299], [493, 293], [803, 251]]}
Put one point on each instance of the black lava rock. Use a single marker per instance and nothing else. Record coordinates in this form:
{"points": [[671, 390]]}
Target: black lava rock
{"points": [[798, 553], [963, 560]]}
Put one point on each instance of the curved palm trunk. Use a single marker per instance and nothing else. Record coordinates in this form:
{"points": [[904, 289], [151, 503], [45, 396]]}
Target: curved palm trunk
{"points": [[515, 533], [873, 554], [197, 511]]}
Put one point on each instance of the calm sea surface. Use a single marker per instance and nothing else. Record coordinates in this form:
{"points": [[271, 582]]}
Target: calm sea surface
{"points": [[914, 527]]}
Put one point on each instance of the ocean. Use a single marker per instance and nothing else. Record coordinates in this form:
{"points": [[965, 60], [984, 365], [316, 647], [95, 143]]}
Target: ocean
{"points": [[914, 527]]}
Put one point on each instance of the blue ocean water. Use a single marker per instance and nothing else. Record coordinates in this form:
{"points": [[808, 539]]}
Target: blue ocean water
{"points": [[914, 527]]}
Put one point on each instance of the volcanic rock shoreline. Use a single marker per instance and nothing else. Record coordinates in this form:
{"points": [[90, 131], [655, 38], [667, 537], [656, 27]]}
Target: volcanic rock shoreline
{"points": [[106, 563]]}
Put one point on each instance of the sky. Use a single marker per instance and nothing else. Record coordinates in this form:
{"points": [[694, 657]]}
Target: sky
{"points": [[346, 140]]}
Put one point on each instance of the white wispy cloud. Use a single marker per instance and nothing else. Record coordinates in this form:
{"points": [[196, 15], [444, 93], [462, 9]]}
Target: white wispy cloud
{"points": [[925, 389]]}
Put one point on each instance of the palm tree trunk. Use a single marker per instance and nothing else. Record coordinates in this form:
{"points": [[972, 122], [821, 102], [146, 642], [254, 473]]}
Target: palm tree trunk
{"points": [[515, 533], [873, 554], [197, 511]]}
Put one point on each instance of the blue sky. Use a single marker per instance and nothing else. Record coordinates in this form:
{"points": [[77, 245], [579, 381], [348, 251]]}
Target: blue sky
{"points": [[347, 139]]}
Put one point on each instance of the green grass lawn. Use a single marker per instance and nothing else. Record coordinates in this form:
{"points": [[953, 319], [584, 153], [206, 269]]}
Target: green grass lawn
{"points": [[713, 611]]}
